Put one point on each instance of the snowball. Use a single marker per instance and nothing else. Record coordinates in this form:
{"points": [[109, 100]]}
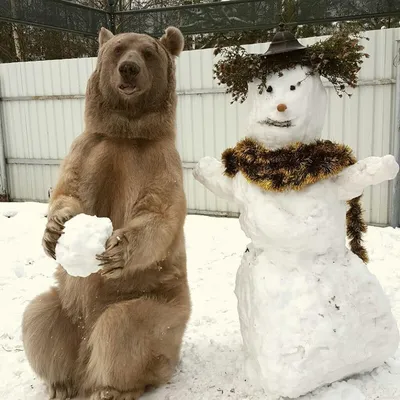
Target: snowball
{"points": [[84, 237]]}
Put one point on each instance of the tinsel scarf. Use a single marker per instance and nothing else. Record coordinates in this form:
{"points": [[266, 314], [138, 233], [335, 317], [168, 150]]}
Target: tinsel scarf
{"points": [[294, 167]]}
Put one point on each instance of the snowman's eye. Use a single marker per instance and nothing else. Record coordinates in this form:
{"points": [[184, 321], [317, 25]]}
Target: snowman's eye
{"points": [[269, 89], [292, 87]]}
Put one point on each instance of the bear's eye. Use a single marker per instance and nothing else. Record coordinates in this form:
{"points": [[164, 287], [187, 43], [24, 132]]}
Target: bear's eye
{"points": [[292, 87], [148, 52], [269, 89], [118, 50]]}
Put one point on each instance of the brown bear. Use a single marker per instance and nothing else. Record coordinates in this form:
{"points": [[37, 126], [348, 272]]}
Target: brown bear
{"points": [[115, 333]]}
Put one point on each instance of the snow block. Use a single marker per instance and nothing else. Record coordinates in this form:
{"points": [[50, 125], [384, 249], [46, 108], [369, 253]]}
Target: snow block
{"points": [[304, 327]]}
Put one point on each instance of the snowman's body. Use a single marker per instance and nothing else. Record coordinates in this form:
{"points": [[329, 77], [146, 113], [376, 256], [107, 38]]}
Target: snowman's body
{"points": [[306, 323], [301, 223], [310, 311]]}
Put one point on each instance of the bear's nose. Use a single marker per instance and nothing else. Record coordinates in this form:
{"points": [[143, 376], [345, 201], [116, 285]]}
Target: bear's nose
{"points": [[281, 107], [129, 69]]}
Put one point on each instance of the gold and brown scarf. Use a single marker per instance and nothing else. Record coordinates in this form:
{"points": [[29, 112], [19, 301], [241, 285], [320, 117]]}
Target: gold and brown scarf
{"points": [[294, 167]]}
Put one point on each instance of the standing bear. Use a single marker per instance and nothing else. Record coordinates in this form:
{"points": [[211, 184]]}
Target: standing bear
{"points": [[118, 331]]}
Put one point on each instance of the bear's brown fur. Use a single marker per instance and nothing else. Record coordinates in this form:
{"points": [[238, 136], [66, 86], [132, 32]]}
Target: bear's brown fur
{"points": [[114, 333]]}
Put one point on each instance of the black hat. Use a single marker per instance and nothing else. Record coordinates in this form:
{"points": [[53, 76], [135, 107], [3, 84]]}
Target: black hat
{"points": [[283, 42]]}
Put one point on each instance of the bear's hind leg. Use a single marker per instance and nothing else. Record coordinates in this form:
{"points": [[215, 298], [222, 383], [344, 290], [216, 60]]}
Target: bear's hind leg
{"points": [[133, 345], [112, 394], [51, 342]]}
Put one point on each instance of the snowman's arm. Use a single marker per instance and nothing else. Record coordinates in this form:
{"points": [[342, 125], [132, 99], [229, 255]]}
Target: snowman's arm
{"points": [[210, 173], [370, 171]]}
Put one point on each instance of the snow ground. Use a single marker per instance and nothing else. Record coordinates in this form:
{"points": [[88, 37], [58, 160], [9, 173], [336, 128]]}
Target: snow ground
{"points": [[211, 354]]}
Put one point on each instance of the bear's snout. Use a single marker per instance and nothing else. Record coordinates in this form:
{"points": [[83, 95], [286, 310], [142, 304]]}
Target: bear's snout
{"points": [[129, 70]]}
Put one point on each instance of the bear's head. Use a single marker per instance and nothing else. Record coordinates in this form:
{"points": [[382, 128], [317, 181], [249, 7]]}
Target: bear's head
{"points": [[134, 77], [133, 66]]}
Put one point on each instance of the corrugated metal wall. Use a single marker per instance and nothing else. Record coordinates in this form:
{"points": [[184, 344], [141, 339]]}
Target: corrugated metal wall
{"points": [[42, 110]]}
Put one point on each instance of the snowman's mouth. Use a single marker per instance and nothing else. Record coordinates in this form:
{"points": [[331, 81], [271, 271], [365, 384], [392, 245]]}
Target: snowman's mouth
{"points": [[279, 124]]}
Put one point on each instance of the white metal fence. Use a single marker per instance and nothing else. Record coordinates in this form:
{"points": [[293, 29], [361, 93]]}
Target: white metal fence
{"points": [[42, 112]]}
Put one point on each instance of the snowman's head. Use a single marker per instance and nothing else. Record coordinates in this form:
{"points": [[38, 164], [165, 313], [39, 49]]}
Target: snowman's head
{"points": [[290, 109]]}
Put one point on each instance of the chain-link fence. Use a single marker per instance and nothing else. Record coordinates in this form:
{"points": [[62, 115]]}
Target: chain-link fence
{"points": [[55, 14], [239, 15], [208, 17]]}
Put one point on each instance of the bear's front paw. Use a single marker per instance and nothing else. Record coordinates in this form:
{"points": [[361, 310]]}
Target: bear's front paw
{"points": [[114, 257], [54, 229]]}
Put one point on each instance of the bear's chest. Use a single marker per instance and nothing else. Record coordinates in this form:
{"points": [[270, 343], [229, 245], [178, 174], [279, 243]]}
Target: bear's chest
{"points": [[113, 179]]}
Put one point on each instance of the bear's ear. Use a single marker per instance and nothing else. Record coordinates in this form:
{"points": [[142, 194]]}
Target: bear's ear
{"points": [[104, 36], [173, 40]]}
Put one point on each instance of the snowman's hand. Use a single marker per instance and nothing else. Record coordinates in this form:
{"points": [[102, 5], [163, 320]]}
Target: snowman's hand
{"points": [[210, 173], [391, 167], [370, 171]]}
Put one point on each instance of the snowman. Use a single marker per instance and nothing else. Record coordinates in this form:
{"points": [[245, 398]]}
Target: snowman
{"points": [[310, 311]]}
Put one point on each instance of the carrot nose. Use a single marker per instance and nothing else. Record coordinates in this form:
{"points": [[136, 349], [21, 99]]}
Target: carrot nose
{"points": [[281, 107]]}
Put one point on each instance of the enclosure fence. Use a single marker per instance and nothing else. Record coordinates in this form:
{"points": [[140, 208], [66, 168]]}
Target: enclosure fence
{"points": [[42, 112], [200, 17]]}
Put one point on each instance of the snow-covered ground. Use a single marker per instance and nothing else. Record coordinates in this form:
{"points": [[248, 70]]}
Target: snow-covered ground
{"points": [[211, 355]]}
